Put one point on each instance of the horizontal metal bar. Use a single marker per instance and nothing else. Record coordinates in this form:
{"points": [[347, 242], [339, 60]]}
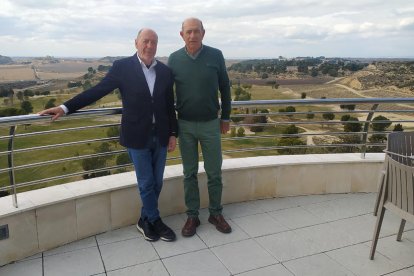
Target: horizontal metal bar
{"points": [[61, 145], [55, 161], [58, 131]]}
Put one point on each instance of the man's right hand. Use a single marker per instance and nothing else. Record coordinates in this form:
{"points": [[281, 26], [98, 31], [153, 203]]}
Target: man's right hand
{"points": [[55, 111]]}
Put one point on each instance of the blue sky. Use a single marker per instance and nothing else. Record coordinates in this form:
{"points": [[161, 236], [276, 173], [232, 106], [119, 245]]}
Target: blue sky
{"points": [[241, 29]]}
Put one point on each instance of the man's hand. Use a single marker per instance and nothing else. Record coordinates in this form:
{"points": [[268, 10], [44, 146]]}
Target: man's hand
{"points": [[224, 126], [172, 142], [55, 111]]}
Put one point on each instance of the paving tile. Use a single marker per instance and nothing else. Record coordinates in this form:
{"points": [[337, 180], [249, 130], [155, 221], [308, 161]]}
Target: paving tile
{"points": [[35, 256], [259, 225], [296, 217], [331, 238], [241, 209], [398, 252], [316, 265], [88, 261], [340, 209], [288, 245], [358, 229], [73, 246], [243, 256], [175, 222], [404, 272], [32, 267], [272, 270], [211, 237], [408, 235], [312, 199], [274, 204], [180, 246], [125, 233], [199, 263], [127, 253], [155, 268], [356, 259]]}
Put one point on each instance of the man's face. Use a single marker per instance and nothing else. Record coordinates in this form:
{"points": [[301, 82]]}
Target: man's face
{"points": [[146, 44], [192, 34]]}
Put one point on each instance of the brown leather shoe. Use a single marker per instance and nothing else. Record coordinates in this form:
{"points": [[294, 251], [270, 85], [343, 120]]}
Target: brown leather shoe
{"points": [[190, 226], [220, 223]]}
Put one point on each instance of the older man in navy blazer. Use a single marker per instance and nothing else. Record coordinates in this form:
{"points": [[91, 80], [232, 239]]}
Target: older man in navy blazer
{"points": [[148, 124]]}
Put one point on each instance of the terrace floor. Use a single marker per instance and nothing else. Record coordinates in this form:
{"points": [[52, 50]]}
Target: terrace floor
{"points": [[305, 235]]}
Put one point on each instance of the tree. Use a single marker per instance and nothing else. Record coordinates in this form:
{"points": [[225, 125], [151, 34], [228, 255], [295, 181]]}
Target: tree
{"points": [[240, 132], [288, 142], [113, 131], [310, 115], [233, 132], [122, 159], [97, 162], [347, 106], [20, 96], [303, 95], [27, 107], [291, 129], [11, 111], [345, 117], [28, 93], [398, 127], [382, 125], [50, 103], [328, 116], [259, 120], [352, 125], [290, 109]]}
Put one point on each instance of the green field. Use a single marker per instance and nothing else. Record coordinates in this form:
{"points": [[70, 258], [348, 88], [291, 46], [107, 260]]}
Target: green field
{"points": [[111, 100]]}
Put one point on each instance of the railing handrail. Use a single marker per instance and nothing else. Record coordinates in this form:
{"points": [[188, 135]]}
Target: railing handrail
{"points": [[31, 118], [361, 145]]}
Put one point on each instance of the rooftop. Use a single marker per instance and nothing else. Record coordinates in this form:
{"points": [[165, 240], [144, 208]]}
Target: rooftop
{"points": [[302, 235]]}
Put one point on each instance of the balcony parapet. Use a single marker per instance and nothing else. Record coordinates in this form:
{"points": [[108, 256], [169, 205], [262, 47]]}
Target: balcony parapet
{"points": [[53, 216]]}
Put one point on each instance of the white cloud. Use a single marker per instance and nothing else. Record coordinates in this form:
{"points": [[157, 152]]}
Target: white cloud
{"points": [[261, 28]]}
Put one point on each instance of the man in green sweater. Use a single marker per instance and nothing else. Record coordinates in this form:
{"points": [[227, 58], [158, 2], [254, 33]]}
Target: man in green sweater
{"points": [[199, 73]]}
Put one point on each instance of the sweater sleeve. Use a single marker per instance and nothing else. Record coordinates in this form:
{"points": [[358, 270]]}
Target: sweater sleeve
{"points": [[224, 87]]}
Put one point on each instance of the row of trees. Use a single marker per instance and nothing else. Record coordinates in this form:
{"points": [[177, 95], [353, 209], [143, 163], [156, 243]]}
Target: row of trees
{"points": [[310, 66]]}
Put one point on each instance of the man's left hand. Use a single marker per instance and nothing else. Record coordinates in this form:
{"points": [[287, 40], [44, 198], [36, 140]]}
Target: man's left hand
{"points": [[224, 126], [172, 142]]}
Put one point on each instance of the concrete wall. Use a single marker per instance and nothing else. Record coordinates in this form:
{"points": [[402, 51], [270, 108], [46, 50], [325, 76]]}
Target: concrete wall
{"points": [[50, 217]]}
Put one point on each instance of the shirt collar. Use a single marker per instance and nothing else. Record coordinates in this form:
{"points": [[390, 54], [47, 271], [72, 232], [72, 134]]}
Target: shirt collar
{"points": [[153, 63], [195, 55]]}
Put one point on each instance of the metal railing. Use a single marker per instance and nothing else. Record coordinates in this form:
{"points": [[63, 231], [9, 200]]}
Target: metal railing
{"points": [[23, 158]]}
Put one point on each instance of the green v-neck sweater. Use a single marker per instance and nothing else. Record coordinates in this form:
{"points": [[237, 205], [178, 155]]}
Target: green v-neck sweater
{"points": [[197, 83]]}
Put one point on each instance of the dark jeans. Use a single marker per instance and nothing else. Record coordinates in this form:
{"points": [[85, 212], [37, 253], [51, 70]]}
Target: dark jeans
{"points": [[149, 166]]}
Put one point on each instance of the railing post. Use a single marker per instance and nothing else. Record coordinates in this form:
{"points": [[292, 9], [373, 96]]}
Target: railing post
{"points": [[11, 164], [365, 131]]}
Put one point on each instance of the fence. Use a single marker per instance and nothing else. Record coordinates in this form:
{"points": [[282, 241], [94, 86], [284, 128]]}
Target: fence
{"points": [[36, 153]]}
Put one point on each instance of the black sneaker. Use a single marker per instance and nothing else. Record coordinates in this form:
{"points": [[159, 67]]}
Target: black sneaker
{"points": [[147, 230], [165, 232]]}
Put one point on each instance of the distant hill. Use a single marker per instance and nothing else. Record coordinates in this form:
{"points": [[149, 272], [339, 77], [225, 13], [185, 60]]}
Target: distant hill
{"points": [[5, 60], [110, 59]]}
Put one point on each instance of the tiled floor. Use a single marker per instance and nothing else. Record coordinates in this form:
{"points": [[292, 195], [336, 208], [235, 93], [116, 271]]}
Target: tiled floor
{"points": [[307, 235]]}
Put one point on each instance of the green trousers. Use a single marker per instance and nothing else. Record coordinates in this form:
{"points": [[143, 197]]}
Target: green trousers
{"points": [[207, 134]]}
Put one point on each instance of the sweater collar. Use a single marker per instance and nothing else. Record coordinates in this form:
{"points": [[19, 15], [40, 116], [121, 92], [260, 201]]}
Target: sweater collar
{"points": [[196, 54]]}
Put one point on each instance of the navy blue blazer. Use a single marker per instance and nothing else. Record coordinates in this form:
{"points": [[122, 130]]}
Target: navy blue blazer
{"points": [[138, 107]]}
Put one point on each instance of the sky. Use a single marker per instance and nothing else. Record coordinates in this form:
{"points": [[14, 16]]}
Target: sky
{"points": [[241, 29]]}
